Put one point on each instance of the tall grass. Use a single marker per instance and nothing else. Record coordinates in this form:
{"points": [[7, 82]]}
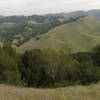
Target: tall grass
{"points": [[91, 92]]}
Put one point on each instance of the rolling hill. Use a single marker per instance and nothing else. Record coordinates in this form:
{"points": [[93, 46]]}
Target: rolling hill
{"points": [[72, 32], [17, 33], [80, 35]]}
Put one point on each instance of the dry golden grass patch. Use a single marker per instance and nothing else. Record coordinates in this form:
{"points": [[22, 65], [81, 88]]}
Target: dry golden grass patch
{"points": [[91, 92]]}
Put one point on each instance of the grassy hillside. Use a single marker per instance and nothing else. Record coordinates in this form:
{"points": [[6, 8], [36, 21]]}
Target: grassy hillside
{"points": [[91, 92], [17, 30], [76, 36]]}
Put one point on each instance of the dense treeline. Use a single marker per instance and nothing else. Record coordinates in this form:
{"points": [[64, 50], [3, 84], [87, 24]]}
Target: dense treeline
{"points": [[48, 68], [21, 19]]}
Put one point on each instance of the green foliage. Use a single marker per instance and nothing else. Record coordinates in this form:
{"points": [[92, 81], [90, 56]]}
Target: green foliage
{"points": [[88, 73], [48, 68], [96, 55], [31, 72], [9, 72], [82, 56]]}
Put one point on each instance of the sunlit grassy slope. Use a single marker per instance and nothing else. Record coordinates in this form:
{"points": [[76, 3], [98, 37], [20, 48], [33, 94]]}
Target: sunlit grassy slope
{"points": [[91, 92], [76, 36]]}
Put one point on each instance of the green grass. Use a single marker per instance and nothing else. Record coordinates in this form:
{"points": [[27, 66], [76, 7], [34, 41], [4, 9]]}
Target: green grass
{"points": [[81, 35], [91, 92]]}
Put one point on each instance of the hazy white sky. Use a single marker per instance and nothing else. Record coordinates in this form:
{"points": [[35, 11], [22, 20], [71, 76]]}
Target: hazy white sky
{"points": [[29, 7]]}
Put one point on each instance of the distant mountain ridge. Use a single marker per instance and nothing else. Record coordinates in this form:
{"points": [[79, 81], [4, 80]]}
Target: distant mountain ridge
{"points": [[91, 13], [40, 18]]}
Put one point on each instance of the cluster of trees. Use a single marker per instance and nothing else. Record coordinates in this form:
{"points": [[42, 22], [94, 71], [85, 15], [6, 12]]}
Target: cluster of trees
{"points": [[9, 71], [48, 68]]}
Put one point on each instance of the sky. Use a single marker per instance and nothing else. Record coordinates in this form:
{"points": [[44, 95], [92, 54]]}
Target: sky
{"points": [[40, 7]]}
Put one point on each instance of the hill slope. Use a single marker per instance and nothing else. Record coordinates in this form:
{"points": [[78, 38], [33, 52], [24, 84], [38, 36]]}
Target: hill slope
{"points": [[17, 30], [76, 36]]}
